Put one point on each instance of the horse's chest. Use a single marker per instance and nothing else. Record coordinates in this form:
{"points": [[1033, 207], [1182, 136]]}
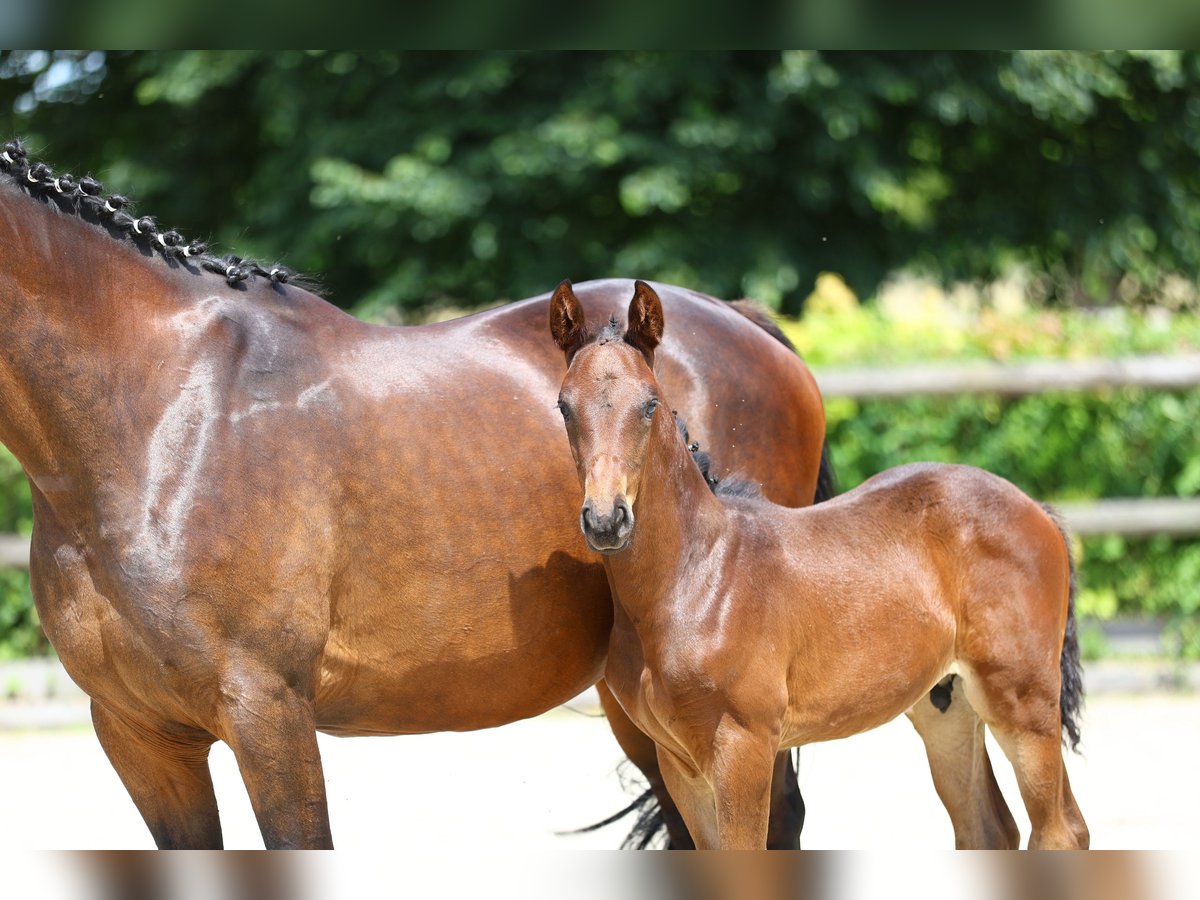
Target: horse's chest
{"points": [[666, 700], [81, 624]]}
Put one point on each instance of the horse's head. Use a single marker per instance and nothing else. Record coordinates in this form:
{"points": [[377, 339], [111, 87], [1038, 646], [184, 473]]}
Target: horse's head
{"points": [[609, 400]]}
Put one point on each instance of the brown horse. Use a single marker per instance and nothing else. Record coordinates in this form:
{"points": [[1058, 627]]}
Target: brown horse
{"points": [[257, 517], [742, 628]]}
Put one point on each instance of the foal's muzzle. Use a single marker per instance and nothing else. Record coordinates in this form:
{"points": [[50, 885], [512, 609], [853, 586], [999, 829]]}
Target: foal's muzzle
{"points": [[607, 533]]}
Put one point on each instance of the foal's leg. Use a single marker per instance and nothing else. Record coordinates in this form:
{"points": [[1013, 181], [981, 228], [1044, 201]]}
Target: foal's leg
{"points": [[642, 753], [742, 766], [1082, 835], [1037, 759], [271, 727], [693, 796], [787, 805], [167, 776], [962, 774], [1022, 709]]}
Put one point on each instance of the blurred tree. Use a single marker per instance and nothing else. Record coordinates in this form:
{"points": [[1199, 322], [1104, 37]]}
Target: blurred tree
{"points": [[403, 180]]}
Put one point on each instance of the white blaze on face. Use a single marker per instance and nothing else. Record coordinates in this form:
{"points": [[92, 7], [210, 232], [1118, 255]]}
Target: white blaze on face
{"points": [[607, 479], [607, 394]]}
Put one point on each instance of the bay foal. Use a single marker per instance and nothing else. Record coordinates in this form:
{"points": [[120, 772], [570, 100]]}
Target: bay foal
{"points": [[742, 628]]}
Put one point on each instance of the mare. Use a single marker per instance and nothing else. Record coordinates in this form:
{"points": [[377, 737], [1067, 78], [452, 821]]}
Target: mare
{"points": [[742, 628], [256, 517]]}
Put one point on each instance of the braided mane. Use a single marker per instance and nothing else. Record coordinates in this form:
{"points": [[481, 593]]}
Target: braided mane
{"points": [[85, 195]]}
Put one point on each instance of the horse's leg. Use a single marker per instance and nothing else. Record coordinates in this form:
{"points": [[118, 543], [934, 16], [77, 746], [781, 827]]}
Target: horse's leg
{"points": [[787, 806], [1074, 816], [742, 767], [168, 778], [962, 774], [1037, 759], [641, 752], [1022, 709], [694, 798], [271, 728]]}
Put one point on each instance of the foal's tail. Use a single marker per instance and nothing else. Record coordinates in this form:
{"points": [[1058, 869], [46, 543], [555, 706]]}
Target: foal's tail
{"points": [[826, 478], [1071, 694]]}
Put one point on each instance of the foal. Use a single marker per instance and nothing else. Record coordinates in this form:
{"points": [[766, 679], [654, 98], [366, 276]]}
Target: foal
{"points": [[742, 628]]}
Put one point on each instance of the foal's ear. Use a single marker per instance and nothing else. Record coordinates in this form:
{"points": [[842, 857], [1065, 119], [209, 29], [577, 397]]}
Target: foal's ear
{"points": [[567, 322], [645, 321]]}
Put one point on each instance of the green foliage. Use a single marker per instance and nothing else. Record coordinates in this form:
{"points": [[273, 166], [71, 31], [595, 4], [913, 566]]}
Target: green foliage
{"points": [[405, 180], [1093, 643], [1061, 445], [20, 634]]}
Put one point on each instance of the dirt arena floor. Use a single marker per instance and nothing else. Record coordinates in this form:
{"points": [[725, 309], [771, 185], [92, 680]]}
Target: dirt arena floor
{"points": [[1137, 782]]}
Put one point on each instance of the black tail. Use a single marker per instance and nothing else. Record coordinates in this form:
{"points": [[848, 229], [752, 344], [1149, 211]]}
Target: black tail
{"points": [[647, 827], [826, 478], [1070, 698]]}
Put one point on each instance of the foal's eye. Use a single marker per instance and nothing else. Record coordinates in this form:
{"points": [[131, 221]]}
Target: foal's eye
{"points": [[649, 408], [565, 410]]}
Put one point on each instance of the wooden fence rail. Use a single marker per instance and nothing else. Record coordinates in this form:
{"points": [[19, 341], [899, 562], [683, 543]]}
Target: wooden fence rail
{"points": [[1133, 517], [1012, 379], [14, 551]]}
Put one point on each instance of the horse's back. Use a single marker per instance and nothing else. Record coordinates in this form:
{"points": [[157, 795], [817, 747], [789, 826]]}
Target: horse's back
{"points": [[894, 582], [983, 544]]}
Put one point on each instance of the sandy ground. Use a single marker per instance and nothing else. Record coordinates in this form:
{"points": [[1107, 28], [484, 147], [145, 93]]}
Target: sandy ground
{"points": [[515, 787]]}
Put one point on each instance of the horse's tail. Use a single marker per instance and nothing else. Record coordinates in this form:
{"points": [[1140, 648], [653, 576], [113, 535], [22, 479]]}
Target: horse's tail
{"points": [[1070, 697], [826, 478], [648, 826]]}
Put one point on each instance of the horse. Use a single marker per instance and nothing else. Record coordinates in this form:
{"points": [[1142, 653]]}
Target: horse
{"points": [[257, 517], [742, 628]]}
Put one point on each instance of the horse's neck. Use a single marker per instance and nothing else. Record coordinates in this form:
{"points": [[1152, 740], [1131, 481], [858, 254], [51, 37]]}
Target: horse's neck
{"points": [[79, 310], [678, 522]]}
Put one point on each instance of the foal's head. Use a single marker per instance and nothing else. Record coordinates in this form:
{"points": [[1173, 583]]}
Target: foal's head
{"points": [[609, 401]]}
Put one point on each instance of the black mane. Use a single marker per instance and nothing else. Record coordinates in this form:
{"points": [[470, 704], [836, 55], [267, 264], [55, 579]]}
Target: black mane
{"points": [[84, 196], [722, 487], [610, 332]]}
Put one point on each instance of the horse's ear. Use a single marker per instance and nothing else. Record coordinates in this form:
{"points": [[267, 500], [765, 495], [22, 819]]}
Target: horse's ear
{"points": [[567, 322], [645, 328]]}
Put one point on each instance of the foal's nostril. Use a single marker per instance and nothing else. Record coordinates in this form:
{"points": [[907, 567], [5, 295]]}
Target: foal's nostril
{"points": [[587, 518], [606, 531], [622, 518]]}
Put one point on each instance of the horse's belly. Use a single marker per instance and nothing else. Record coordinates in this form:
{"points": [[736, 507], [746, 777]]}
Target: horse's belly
{"points": [[843, 704], [464, 666], [454, 694]]}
